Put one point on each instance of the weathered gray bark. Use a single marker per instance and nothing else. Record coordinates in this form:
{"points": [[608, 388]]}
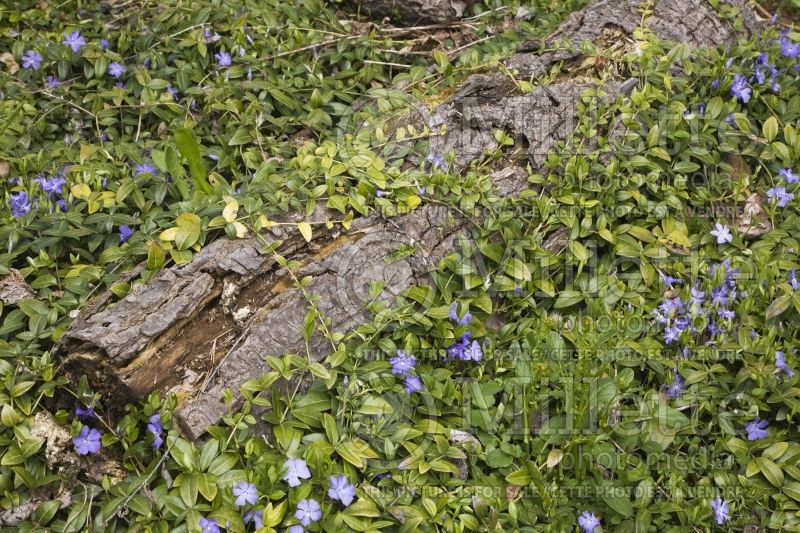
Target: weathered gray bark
{"points": [[200, 328], [412, 12]]}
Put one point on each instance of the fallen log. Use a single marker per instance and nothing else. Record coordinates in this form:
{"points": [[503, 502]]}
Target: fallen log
{"points": [[204, 327], [412, 12]]}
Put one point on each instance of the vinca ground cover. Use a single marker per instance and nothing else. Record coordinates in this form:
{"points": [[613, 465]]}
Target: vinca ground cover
{"points": [[641, 377]]}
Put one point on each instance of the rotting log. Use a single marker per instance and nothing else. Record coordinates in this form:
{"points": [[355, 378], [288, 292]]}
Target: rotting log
{"points": [[412, 12], [204, 327]]}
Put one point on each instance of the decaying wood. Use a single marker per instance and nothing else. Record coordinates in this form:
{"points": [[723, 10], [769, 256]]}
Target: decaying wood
{"points": [[60, 458], [416, 11], [14, 288], [204, 327]]}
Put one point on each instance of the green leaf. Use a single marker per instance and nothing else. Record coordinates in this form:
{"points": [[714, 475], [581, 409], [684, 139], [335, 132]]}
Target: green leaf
{"points": [[771, 471], [770, 129], [520, 478], [579, 251], [190, 149], [45, 512], [189, 488], [350, 453], [155, 256], [567, 298], [778, 306], [242, 136], [619, 504], [207, 485]]}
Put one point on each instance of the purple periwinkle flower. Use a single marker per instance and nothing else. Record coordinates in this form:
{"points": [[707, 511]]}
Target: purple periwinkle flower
{"points": [[464, 320], [793, 279], [53, 186], [697, 296], [588, 522], [756, 429], [20, 204], [720, 508], [739, 89], [722, 233], [86, 414], [308, 511], [74, 41], [116, 69], [780, 362], [32, 59], [671, 334], [715, 84], [669, 280], [146, 168], [412, 384], [52, 82], [87, 441], [789, 49], [437, 161], [402, 364], [173, 91], [223, 59], [676, 389], [726, 314], [457, 349], [341, 490], [255, 516], [788, 175], [473, 352], [104, 44], [125, 233], [208, 525], [759, 75], [296, 529], [296, 469], [245, 493], [780, 195], [154, 426]]}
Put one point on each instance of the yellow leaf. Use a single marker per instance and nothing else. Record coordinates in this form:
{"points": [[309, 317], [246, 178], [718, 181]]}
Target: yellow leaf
{"points": [[305, 230], [264, 222], [348, 220], [413, 201], [230, 211], [168, 234], [81, 190], [241, 230]]}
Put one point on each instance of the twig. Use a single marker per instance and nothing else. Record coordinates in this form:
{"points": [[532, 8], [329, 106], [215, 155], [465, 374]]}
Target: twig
{"points": [[213, 373], [385, 63], [761, 8], [455, 52], [147, 477], [314, 45]]}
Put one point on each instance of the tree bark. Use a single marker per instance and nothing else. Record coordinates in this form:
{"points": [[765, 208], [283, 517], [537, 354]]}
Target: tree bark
{"points": [[204, 327], [412, 12]]}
